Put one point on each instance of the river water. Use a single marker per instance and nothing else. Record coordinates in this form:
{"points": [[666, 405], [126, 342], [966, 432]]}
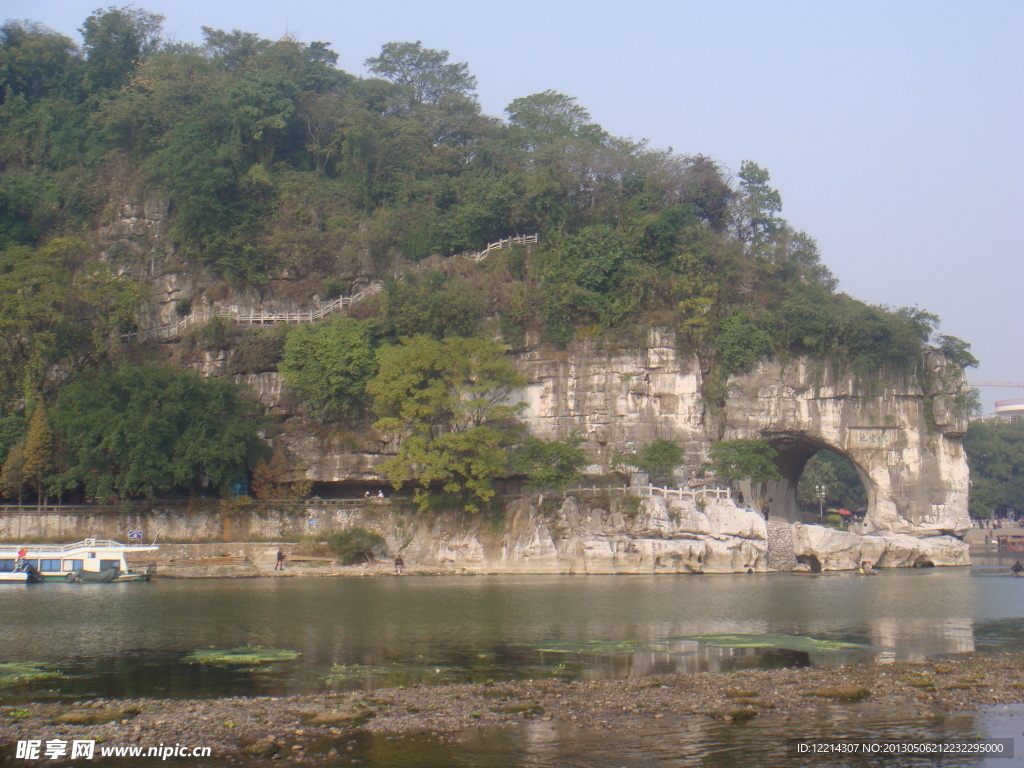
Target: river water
{"points": [[132, 640]]}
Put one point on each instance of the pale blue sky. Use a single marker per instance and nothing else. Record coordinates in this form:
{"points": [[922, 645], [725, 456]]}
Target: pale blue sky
{"points": [[894, 130]]}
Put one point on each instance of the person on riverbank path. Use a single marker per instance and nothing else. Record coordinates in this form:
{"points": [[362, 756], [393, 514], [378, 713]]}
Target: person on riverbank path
{"points": [[280, 560], [399, 565], [1017, 568]]}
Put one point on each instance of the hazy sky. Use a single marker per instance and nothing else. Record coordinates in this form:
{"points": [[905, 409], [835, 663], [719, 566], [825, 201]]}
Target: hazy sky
{"points": [[894, 130]]}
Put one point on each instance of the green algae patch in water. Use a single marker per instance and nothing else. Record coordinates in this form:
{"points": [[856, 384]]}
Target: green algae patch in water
{"points": [[588, 647], [799, 643], [243, 656], [15, 673]]}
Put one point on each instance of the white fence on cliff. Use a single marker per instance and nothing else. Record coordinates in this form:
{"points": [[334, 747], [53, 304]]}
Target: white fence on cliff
{"points": [[649, 491], [171, 331]]}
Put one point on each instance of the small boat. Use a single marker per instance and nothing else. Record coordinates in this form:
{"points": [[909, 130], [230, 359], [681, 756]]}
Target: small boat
{"points": [[91, 560]]}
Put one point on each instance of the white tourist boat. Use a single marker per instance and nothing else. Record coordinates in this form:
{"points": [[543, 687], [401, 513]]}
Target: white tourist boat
{"points": [[91, 560]]}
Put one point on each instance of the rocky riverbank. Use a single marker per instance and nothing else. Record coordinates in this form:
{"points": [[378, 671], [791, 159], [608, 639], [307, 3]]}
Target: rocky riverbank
{"points": [[317, 729]]}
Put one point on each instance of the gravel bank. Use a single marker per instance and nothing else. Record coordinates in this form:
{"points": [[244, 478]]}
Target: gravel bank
{"points": [[314, 729]]}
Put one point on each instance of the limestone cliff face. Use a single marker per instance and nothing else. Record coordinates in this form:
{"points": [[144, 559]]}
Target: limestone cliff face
{"points": [[903, 438]]}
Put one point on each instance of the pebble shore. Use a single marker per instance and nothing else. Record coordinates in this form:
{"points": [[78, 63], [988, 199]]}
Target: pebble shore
{"points": [[315, 729]]}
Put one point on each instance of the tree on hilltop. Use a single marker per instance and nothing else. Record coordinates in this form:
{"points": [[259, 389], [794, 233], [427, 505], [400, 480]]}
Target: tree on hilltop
{"points": [[424, 73]]}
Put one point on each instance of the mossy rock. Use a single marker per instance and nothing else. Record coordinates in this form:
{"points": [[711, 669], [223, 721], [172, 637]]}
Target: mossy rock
{"points": [[841, 693], [96, 716], [263, 748], [741, 714], [341, 719], [16, 673]]}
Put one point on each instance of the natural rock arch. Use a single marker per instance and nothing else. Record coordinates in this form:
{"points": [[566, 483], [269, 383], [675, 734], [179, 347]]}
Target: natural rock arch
{"points": [[902, 432], [795, 450]]}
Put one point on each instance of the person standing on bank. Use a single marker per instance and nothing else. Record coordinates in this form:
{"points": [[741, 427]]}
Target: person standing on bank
{"points": [[280, 560]]}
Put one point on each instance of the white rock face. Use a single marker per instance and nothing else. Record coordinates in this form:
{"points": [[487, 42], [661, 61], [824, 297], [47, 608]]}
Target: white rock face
{"points": [[661, 537], [903, 440], [843, 551]]}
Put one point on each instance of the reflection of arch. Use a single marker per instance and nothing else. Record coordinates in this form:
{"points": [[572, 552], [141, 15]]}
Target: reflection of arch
{"points": [[795, 450]]}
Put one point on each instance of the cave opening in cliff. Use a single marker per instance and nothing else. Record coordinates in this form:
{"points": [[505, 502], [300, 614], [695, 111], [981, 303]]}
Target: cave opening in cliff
{"points": [[816, 478]]}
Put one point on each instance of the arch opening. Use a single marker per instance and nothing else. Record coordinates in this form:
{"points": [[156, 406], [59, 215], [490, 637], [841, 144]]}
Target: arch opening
{"points": [[807, 462], [829, 487]]}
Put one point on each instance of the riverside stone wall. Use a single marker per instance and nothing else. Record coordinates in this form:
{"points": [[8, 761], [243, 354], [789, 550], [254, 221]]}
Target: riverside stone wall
{"points": [[562, 534]]}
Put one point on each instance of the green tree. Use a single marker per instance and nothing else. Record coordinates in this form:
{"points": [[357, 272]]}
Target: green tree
{"points": [[38, 456], [57, 310], [276, 479], [658, 459], [543, 117], [744, 459], [329, 365], [758, 206], [114, 41], [431, 303], [995, 453], [32, 295], [152, 430], [12, 432], [449, 403], [554, 464], [740, 343], [233, 50], [957, 351], [13, 478], [423, 73], [591, 277], [35, 61]]}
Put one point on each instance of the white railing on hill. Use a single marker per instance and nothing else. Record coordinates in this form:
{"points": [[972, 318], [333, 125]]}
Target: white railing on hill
{"points": [[508, 242], [246, 317], [689, 494], [176, 330]]}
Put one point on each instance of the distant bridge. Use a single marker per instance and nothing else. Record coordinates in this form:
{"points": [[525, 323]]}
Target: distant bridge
{"points": [[171, 331]]}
